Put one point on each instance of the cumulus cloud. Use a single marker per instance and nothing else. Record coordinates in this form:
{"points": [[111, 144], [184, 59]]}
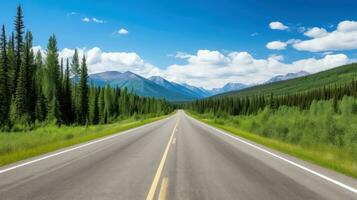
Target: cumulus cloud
{"points": [[211, 69], [207, 57], [276, 45], [206, 68], [278, 26], [343, 38], [123, 31], [100, 61], [316, 32], [86, 19]]}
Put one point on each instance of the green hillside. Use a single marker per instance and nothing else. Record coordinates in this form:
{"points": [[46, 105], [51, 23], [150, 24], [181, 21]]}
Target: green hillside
{"points": [[338, 75]]}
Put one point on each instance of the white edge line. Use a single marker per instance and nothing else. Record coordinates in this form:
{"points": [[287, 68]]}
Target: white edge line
{"points": [[79, 147], [347, 187]]}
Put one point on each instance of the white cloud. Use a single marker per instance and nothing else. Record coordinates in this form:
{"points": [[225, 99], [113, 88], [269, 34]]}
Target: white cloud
{"points": [[207, 57], [98, 21], [182, 55], [219, 69], [316, 32], [206, 68], [293, 41], [123, 31], [100, 61], [343, 38], [276, 45], [86, 19], [94, 20], [277, 26]]}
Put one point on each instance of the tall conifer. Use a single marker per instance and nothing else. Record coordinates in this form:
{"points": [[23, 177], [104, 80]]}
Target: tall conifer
{"points": [[4, 87]]}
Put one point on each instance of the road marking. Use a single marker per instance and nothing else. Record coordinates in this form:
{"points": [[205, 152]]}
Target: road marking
{"points": [[79, 147], [160, 168], [174, 141], [163, 189], [338, 183]]}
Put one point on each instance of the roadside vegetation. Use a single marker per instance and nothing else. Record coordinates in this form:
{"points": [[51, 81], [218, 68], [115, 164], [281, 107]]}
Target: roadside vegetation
{"points": [[318, 124], [319, 134], [15, 146]]}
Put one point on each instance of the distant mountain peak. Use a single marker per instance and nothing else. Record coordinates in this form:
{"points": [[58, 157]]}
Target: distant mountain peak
{"points": [[157, 86], [288, 76], [157, 79], [229, 87], [131, 75]]}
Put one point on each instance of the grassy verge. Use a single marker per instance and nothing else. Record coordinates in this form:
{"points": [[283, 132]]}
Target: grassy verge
{"points": [[326, 156], [21, 145]]}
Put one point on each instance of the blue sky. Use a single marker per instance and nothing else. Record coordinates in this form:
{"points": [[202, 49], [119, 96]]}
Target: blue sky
{"points": [[158, 30]]}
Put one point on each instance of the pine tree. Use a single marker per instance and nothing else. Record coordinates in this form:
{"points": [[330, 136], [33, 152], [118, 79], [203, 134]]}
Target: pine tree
{"points": [[19, 113], [83, 93], [29, 62], [61, 70], [75, 71], [52, 83], [41, 105], [19, 30], [67, 96], [4, 87], [101, 105], [75, 67], [12, 64], [93, 106], [108, 101]]}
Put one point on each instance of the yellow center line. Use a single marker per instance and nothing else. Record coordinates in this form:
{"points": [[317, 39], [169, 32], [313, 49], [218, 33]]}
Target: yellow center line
{"points": [[160, 168], [163, 189]]}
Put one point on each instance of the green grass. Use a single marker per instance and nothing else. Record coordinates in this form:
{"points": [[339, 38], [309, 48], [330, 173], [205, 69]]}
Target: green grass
{"points": [[337, 159], [338, 76], [15, 146]]}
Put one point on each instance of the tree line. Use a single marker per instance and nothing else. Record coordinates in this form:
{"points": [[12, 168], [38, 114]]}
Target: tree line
{"points": [[252, 105], [36, 88]]}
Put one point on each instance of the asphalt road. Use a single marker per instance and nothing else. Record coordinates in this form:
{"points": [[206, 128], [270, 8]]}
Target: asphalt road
{"points": [[175, 158]]}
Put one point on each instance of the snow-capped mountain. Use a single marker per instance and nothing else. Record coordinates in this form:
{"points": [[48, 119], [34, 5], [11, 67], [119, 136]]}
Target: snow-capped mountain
{"points": [[287, 76]]}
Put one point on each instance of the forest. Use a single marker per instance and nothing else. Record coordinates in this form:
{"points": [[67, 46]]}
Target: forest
{"points": [[36, 88]]}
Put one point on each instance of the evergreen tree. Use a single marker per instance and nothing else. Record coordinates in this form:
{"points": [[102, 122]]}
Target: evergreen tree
{"points": [[52, 83], [67, 96], [75, 67], [19, 111], [75, 71], [83, 93], [4, 87], [108, 101], [41, 104], [29, 62], [12, 64], [93, 106], [61, 70], [19, 30]]}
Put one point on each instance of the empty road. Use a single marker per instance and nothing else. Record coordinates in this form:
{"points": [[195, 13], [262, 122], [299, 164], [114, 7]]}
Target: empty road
{"points": [[175, 158]]}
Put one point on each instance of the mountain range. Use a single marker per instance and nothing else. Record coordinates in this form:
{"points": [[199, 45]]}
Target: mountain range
{"points": [[159, 87], [287, 76]]}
